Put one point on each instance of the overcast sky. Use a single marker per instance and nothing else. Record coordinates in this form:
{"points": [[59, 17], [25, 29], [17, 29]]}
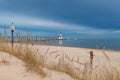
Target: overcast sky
{"points": [[79, 18]]}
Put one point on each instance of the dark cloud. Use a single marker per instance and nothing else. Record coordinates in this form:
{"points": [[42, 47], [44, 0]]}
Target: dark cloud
{"points": [[97, 14]]}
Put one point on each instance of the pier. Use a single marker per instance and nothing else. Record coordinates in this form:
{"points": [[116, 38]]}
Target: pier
{"points": [[34, 39]]}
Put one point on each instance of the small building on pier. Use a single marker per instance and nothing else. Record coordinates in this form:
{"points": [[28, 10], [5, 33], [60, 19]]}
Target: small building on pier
{"points": [[60, 36]]}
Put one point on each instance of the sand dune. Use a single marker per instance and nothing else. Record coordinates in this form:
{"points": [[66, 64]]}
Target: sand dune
{"points": [[14, 69]]}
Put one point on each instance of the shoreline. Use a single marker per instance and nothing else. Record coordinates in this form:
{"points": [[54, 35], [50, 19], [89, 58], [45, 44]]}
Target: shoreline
{"points": [[74, 47], [93, 46], [69, 47]]}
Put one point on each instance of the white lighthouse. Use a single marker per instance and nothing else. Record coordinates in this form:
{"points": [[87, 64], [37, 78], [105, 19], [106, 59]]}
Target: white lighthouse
{"points": [[60, 36]]}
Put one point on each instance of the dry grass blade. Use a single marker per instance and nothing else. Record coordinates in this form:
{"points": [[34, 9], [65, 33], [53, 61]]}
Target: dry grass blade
{"points": [[106, 56], [47, 51], [57, 55], [53, 52], [79, 62]]}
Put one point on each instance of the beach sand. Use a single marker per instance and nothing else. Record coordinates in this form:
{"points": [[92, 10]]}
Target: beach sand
{"points": [[12, 68], [83, 53]]}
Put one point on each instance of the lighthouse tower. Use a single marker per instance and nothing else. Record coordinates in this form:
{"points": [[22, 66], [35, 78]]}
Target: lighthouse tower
{"points": [[60, 36]]}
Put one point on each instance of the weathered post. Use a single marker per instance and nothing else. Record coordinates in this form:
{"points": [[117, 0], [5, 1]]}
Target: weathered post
{"points": [[91, 64], [91, 59]]}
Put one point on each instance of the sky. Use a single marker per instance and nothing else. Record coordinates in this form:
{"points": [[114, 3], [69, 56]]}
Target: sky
{"points": [[74, 18]]}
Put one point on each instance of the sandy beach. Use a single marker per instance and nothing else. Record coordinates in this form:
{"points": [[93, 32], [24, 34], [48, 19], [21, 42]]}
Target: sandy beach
{"points": [[59, 63], [83, 53]]}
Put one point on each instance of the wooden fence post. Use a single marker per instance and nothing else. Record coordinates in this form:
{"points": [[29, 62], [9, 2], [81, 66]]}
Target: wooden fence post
{"points": [[91, 64], [91, 59]]}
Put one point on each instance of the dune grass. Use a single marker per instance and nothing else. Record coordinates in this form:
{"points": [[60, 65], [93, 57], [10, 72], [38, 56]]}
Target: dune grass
{"points": [[24, 53], [59, 61]]}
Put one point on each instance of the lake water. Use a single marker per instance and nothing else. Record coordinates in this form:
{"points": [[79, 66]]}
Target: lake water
{"points": [[110, 44]]}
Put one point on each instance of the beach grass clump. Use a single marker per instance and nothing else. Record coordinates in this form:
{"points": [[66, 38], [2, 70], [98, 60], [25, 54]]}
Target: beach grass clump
{"points": [[25, 53], [105, 72], [62, 63], [5, 62], [101, 71]]}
